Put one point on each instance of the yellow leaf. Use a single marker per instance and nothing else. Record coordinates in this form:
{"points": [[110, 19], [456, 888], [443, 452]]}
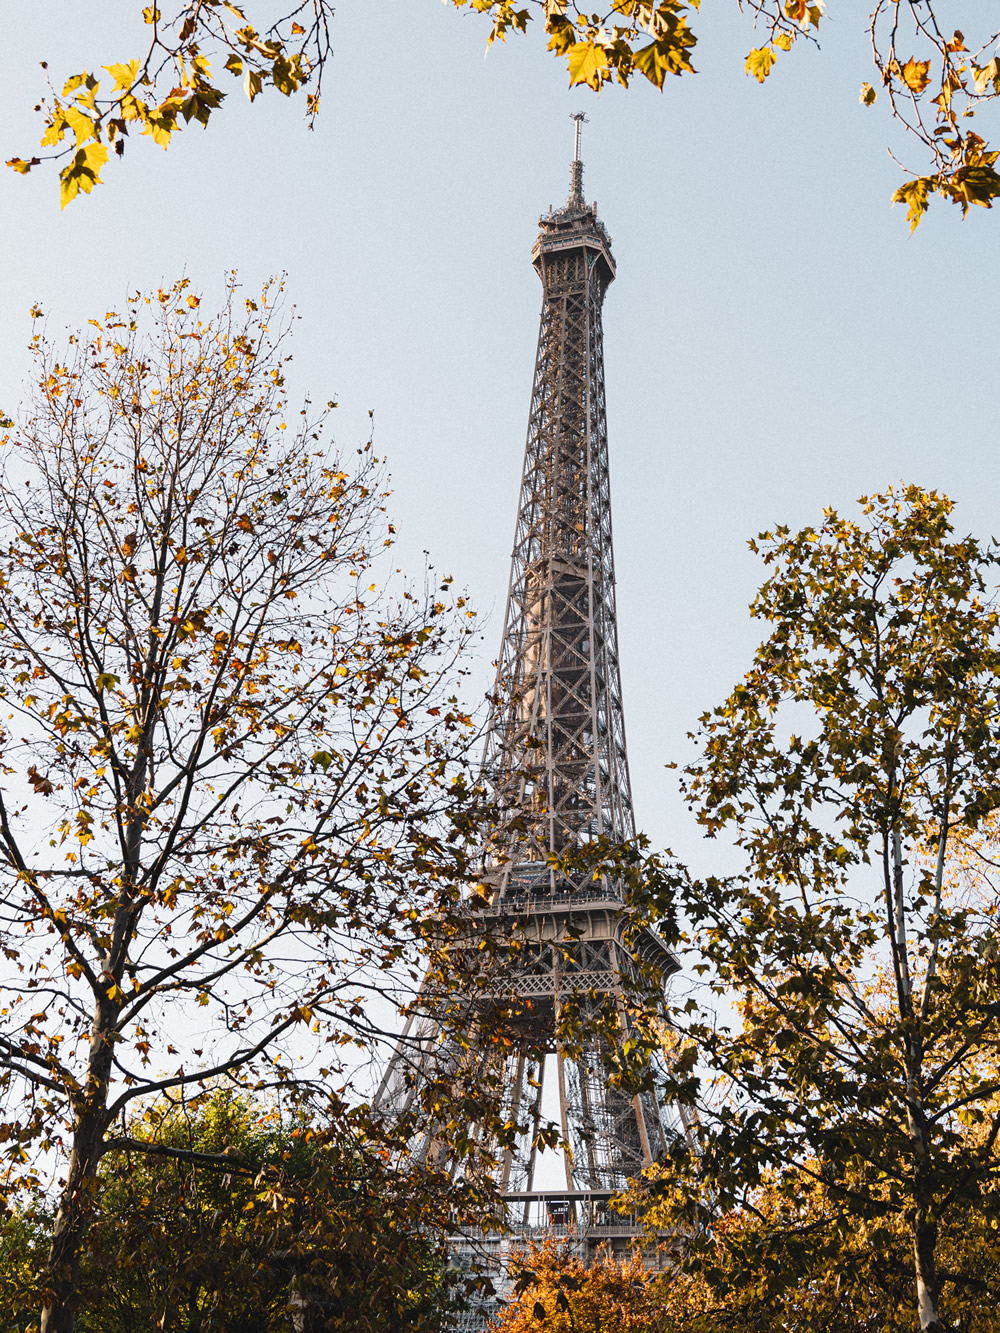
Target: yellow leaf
{"points": [[80, 123], [759, 63], [161, 123], [56, 128], [83, 81], [915, 74], [868, 94], [123, 74], [784, 41], [915, 195], [985, 75], [588, 63], [82, 173]]}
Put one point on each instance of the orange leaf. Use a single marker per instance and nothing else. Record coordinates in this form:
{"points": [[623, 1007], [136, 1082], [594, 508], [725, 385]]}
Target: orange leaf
{"points": [[915, 74]]}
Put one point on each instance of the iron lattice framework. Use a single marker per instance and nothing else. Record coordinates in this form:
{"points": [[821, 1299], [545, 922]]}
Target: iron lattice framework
{"points": [[556, 759], [556, 749]]}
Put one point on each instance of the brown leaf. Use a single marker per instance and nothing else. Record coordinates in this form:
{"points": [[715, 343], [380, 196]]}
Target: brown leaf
{"points": [[41, 784], [915, 74]]}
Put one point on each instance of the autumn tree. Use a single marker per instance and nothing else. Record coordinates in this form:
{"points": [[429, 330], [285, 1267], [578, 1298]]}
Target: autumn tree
{"points": [[305, 1209], [233, 791], [863, 1051], [556, 1292], [784, 1261], [934, 78]]}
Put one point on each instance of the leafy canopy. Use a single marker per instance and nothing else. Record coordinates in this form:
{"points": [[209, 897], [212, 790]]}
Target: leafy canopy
{"points": [[228, 1209], [853, 760]]}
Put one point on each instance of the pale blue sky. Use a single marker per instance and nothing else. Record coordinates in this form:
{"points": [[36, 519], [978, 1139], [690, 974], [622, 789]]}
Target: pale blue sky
{"points": [[776, 341]]}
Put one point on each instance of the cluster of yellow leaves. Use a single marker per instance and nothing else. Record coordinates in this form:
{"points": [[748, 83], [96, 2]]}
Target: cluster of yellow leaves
{"points": [[647, 37], [965, 165], [92, 114], [970, 178], [792, 19], [652, 38]]}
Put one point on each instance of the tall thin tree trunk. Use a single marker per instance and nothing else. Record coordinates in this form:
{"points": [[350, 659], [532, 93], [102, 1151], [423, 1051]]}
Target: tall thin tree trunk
{"points": [[75, 1206], [924, 1245], [72, 1219], [925, 1229]]}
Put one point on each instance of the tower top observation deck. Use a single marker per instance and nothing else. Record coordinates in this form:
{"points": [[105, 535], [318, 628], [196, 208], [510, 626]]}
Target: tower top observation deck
{"points": [[575, 225]]}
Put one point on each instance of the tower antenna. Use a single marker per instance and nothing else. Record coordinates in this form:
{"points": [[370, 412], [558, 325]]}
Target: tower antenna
{"points": [[576, 177]]}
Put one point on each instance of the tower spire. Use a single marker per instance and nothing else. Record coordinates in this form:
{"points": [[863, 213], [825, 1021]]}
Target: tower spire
{"points": [[576, 175]]}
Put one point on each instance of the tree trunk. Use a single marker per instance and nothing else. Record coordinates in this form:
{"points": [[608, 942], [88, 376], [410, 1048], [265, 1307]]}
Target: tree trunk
{"points": [[924, 1244], [77, 1201], [72, 1219], [925, 1229]]}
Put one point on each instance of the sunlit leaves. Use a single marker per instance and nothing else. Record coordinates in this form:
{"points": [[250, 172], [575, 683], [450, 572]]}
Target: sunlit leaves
{"points": [[588, 63], [859, 743], [651, 37], [124, 75], [171, 84], [759, 63], [933, 93], [915, 75], [971, 179], [944, 81], [987, 77], [82, 173]]}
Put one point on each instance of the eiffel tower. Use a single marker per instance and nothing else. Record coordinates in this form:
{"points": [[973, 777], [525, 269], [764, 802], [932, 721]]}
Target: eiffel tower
{"points": [[555, 759]]}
